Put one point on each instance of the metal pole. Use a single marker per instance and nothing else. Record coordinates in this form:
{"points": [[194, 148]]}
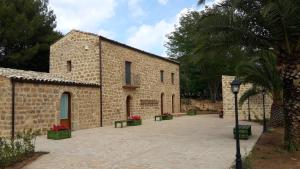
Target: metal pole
{"points": [[265, 123], [249, 116], [238, 161]]}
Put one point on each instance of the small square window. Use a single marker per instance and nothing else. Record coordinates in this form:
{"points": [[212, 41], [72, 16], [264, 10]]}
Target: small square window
{"points": [[69, 66]]}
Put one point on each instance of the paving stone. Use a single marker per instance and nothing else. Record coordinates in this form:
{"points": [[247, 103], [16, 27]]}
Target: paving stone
{"points": [[188, 142]]}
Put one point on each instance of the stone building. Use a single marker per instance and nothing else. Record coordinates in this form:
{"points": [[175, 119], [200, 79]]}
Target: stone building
{"points": [[93, 81], [254, 106]]}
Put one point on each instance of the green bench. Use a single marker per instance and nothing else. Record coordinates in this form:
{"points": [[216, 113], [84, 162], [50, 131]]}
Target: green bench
{"points": [[244, 130], [120, 122]]}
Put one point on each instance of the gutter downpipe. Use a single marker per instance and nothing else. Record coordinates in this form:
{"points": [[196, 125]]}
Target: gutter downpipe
{"points": [[12, 109], [101, 91]]}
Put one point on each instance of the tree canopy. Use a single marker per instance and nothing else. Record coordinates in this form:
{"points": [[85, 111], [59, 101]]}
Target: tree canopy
{"points": [[26, 33], [201, 70], [262, 25]]}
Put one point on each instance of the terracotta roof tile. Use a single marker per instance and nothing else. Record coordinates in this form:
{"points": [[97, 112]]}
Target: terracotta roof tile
{"points": [[42, 77]]}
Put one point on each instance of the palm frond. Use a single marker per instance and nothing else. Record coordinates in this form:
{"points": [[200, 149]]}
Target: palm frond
{"points": [[201, 2], [250, 92]]}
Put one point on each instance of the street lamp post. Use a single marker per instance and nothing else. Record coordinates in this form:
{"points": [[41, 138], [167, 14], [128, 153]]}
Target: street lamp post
{"points": [[249, 116], [264, 111], [235, 87]]}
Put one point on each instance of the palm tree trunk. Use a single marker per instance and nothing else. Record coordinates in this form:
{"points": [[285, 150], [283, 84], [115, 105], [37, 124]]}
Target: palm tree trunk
{"points": [[291, 95], [277, 118]]}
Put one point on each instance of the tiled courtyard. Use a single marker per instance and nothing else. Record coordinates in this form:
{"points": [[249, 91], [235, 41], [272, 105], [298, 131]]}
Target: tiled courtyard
{"points": [[188, 142]]}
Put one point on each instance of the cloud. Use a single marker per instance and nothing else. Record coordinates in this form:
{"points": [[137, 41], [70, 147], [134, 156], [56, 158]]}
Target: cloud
{"points": [[135, 8], [84, 15], [163, 2], [107, 33], [153, 37], [148, 37], [219, 1]]}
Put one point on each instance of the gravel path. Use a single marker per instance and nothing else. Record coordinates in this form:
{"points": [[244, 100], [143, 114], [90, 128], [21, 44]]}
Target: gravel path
{"points": [[188, 142]]}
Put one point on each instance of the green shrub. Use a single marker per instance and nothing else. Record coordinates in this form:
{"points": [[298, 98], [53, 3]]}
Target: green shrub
{"points": [[192, 112], [246, 162], [15, 150]]}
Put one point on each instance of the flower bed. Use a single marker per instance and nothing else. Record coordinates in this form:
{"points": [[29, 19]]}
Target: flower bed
{"points": [[134, 120], [167, 116], [18, 149], [58, 132]]}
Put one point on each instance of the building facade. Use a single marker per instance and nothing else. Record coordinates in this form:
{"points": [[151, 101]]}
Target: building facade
{"points": [[93, 81]]}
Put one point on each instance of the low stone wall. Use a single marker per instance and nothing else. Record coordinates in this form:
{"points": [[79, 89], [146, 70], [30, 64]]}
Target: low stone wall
{"points": [[255, 102], [203, 105]]}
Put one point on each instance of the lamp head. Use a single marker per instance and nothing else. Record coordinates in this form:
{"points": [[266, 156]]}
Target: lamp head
{"points": [[235, 86], [264, 91]]}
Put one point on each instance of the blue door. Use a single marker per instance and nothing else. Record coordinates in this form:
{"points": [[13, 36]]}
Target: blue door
{"points": [[65, 110]]}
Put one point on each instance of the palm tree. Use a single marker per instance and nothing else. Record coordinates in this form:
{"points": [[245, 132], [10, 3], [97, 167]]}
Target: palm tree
{"points": [[261, 72], [272, 25]]}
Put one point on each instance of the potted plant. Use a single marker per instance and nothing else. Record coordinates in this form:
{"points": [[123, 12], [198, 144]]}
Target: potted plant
{"points": [[58, 132], [221, 114], [134, 120], [167, 116]]}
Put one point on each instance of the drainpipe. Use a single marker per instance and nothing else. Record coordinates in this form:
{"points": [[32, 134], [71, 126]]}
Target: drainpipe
{"points": [[12, 109], [101, 90]]}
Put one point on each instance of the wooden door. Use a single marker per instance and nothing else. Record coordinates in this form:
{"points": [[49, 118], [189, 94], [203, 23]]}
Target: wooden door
{"points": [[128, 73], [65, 110], [173, 98], [162, 103], [128, 106]]}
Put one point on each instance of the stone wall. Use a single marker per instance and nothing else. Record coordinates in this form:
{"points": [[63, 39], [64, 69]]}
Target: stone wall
{"points": [[255, 102], [37, 106], [5, 106], [147, 68], [83, 52], [203, 105]]}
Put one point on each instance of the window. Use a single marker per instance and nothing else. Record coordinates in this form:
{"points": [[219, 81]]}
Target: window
{"points": [[161, 76], [69, 66], [128, 73], [172, 78]]}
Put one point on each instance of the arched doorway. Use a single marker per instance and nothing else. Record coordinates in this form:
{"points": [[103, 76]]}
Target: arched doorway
{"points": [[128, 103], [173, 99], [65, 110], [162, 103]]}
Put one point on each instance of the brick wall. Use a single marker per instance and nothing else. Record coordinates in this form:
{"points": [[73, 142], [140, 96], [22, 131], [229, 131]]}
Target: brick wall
{"points": [[256, 106]]}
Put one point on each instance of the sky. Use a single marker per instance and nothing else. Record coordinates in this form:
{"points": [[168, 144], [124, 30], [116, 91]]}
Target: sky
{"points": [[143, 24]]}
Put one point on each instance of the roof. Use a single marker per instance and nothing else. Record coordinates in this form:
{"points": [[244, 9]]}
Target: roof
{"points": [[41, 77], [128, 47]]}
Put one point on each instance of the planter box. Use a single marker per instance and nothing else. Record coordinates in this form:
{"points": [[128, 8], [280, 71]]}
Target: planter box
{"points": [[170, 117], [134, 122], [57, 135], [192, 113], [244, 130]]}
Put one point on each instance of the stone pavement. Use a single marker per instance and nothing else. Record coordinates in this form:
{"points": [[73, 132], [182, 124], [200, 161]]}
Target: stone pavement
{"points": [[188, 142]]}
